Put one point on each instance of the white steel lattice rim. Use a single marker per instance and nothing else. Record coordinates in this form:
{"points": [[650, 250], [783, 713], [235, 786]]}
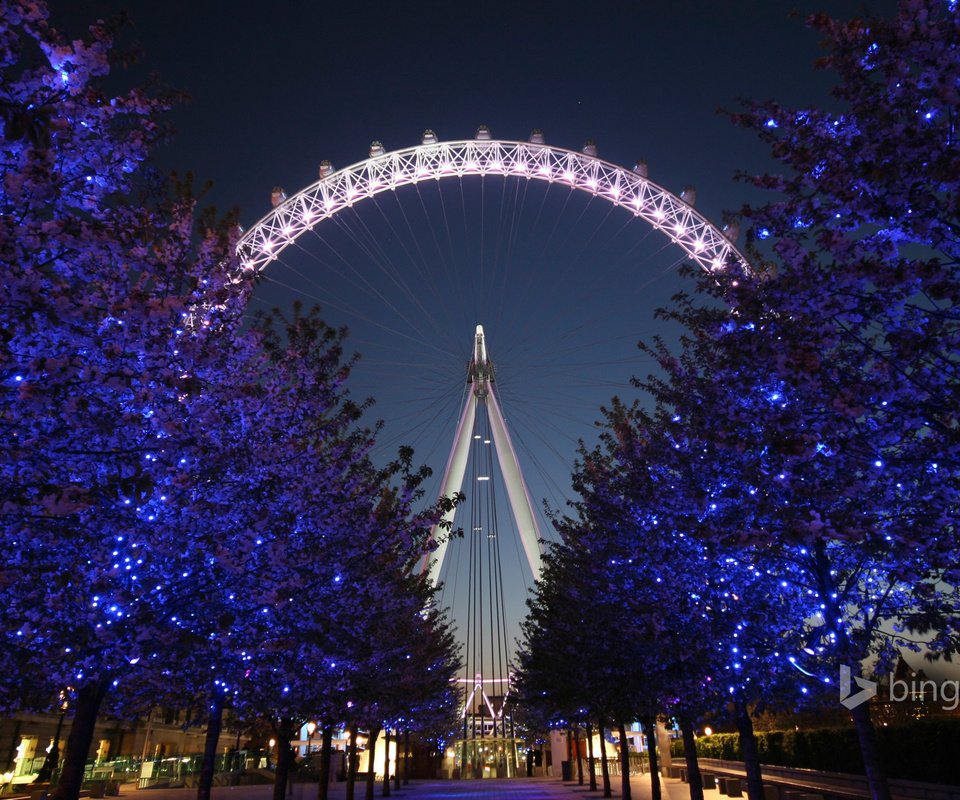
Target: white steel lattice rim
{"points": [[702, 241]]}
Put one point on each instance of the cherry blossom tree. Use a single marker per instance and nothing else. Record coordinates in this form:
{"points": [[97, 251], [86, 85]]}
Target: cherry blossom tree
{"points": [[815, 386], [113, 289], [860, 322], [190, 498]]}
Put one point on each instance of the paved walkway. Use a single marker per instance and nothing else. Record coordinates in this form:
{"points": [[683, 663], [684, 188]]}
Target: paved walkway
{"points": [[499, 789]]}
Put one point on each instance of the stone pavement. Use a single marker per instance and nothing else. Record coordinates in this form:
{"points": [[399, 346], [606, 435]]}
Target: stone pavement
{"points": [[494, 789]]}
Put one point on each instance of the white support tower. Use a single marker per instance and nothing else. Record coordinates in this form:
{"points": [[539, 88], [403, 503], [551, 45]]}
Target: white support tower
{"points": [[480, 375]]}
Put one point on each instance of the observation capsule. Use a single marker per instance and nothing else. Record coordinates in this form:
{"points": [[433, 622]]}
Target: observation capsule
{"points": [[376, 149], [429, 137], [732, 231], [326, 168], [536, 137], [641, 168], [589, 148], [483, 134], [277, 196], [689, 195]]}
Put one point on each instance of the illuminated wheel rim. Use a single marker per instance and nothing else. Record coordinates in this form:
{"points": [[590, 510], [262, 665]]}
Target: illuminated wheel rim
{"points": [[702, 241]]}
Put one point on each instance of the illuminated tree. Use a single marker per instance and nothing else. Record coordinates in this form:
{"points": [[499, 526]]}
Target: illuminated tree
{"points": [[819, 386], [864, 236], [176, 486], [113, 289], [561, 671], [704, 627]]}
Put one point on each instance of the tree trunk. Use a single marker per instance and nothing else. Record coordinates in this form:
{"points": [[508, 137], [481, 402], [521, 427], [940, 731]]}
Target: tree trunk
{"points": [[748, 745], [591, 762], [624, 762], [351, 762], [406, 757], [694, 778], [576, 742], [386, 762], [89, 699], [869, 751], [650, 731], [396, 761], [281, 777], [326, 752], [214, 726], [371, 760], [604, 769]]}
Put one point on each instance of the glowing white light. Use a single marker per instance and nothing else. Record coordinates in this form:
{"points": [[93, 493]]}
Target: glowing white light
{"points": [[262, 244]]}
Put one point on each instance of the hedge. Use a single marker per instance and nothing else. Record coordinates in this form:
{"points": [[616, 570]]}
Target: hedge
{"points": [[924, 751]]}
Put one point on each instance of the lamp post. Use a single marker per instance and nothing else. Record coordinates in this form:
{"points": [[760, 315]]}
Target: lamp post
{"points": [[52, 760], [271, 744], [311, 729]]}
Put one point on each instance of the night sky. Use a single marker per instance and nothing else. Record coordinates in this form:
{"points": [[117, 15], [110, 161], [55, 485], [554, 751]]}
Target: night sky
{"points": [[563, 287]]}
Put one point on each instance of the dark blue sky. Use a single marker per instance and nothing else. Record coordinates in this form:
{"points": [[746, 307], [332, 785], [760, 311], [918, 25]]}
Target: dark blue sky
{"points": [[278, 87]]}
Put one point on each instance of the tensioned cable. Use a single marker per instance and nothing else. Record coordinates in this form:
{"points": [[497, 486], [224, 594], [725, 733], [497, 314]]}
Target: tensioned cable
{"points": [[420, 321]]}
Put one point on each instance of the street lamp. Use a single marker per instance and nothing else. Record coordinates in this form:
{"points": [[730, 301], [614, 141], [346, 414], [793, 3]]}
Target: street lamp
{"points": [[271, 744], [52, 760], [311, 729]]}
